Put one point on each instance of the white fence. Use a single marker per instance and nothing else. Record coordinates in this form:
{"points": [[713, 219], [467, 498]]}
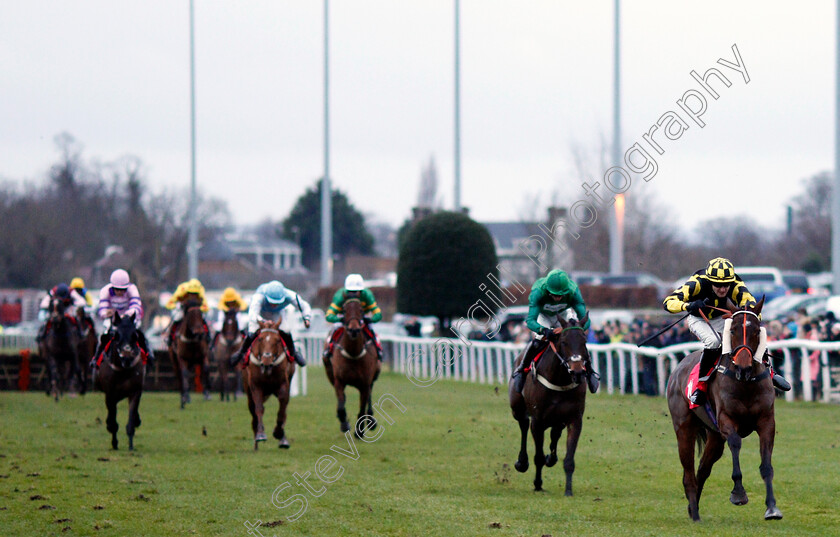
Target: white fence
{"points": [[624, 367]]}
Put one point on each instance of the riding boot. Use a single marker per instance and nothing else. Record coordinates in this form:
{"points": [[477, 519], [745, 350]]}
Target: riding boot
{"points": [[707, 364], [237, 357], [592, 376], [534, 348], [144, 345], [299, 359], [100, 346]]}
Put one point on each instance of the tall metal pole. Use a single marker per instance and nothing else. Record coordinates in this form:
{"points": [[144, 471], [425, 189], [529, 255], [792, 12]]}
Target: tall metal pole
{"points": [[835, 202], [617, 214], [192, 237], [326, 189], [457, 106]]}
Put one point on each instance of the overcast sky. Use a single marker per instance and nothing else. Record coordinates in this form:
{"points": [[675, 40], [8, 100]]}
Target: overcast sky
{"points": [[536, 84]]}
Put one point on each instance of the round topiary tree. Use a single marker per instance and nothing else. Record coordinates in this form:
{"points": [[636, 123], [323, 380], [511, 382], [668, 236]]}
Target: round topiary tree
{"points": [[443, 261]]}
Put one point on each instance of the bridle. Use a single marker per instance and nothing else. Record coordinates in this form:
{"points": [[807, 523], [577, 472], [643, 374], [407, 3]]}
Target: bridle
{"points": [[566, 361], [755, 355], [276, 358]]}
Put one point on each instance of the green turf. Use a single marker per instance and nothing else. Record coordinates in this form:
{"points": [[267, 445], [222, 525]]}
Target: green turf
{"points": [[444, 467]]}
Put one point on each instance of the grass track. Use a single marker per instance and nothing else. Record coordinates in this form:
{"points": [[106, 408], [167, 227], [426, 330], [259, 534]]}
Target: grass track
{"points": [[444, 467]]}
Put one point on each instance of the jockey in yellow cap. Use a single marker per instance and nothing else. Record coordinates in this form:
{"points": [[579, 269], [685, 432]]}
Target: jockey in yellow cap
{"points": [[187, 292]]}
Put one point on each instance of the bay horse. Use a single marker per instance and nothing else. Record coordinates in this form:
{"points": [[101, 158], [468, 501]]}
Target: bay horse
{"points": [[121, 375], [228, 341], [87, 344], [554, 396], [741, 400], [60, 349], [268, 372], [189, 348], [353, 362]]}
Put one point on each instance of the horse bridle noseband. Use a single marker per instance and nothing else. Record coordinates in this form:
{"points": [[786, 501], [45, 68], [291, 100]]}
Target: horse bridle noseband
{"points": [[565, 361], [279, 356], [734, 352]]}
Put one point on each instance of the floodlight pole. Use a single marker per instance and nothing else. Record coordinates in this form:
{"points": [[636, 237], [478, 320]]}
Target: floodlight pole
{"points": [[192, 237], [326, 189], [617, 212], [835, 201]]}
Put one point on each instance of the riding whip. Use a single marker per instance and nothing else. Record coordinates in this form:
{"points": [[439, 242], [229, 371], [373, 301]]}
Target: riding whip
{"points": [[649, 338]]}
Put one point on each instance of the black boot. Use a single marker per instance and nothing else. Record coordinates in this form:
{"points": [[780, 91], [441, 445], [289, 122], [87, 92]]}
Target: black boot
{"points": [[592, 377], [534, 348], [707, 363], [299, 360], [237, 357]]}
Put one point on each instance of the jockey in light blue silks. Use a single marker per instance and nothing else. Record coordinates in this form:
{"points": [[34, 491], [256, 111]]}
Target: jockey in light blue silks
{"points": [[268, 304]]}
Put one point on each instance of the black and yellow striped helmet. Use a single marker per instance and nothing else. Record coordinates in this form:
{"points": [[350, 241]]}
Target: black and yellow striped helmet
{"points": [[720, 270]]}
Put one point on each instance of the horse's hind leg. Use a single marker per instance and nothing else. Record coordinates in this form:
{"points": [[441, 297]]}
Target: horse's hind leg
{"points": [[572, 437], [205, 377], [686, 436], [551, 458], [711, 454], [133, 418], [766, 433], [538, 433], [111, 421]]}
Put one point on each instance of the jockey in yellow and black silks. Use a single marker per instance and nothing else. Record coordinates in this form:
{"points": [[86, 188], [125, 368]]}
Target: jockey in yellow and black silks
{"points": [[707, 289], [188, 291]]}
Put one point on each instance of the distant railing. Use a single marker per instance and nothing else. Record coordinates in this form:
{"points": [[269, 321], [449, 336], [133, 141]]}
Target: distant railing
{"points": [[624, 367]]}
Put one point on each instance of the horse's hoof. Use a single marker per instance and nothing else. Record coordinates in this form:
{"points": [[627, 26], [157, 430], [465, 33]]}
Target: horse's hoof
{"points": [[738, 499], [772, 513], [206, 396], [256, 446], [521, 466], [550, 460], [260, 437], [538, 487], [284, 443], [182, 404], [345, 426]]}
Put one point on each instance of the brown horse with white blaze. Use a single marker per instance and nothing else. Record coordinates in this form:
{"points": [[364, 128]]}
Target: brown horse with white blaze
{"points": [[740, 401], [354, 362], [268, 372], [554, 396]]}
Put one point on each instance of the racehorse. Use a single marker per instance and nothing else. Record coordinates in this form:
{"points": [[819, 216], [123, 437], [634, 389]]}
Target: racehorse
{"points": [[120, 375], [60, 349], [228, 341], [554, 395], [268, 372], [740, 400], [87, 344], [354, 362], [189, 348]]}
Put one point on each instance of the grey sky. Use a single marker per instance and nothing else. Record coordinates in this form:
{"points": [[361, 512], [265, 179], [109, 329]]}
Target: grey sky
{"points": [[536, 82]]}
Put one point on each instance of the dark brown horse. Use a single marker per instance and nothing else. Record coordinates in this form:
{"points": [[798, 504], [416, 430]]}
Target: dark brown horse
{"points": [[354, 363], [740, 401], [227, 342], [268, 372], [120, 375], [554, 396], [60, 349], [87, 344], [189, 349]]}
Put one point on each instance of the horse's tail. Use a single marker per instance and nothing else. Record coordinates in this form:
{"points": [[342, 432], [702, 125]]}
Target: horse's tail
{"points": [[701, 441]]}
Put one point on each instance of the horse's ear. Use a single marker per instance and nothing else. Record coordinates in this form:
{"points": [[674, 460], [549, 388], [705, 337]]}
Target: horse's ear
{"points": [[731, 305], [757, 308], [276, 324], [116, 317], [563, 323]]}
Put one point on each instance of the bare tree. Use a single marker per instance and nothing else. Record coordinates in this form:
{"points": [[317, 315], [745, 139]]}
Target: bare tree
{"points": [[427, 194]]}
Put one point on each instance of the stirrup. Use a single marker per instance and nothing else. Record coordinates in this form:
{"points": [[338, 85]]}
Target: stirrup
{"points": [[593, 381], [781, 383]]}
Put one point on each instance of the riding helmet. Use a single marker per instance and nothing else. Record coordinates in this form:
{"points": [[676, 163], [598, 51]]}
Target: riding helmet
{"points": [[119, 279], [62, 291], [720, 270], [275, 292], [557, 282], [354, 282], [77, 283]]}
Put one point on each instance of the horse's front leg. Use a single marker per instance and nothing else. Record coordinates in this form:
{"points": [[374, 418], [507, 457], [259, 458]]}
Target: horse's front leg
{"points": [[133, 417], [111, 421], [572, 438], [538, 432], [205, 374], [551, 458], [711, 454], [686, 437], [258, 411], [733, 439], [279, 433], [362, 425], [341, 412], [766, 434]]}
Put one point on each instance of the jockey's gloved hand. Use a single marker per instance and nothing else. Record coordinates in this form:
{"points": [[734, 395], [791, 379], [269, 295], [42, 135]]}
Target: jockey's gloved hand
{"points": [[694, 306]]}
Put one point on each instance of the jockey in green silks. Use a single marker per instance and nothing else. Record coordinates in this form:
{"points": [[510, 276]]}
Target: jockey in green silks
{"points": [[552, 298], [354, 287]]}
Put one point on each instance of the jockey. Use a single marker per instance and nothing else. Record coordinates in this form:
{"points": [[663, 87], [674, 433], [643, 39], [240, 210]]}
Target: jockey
{"points": [[268, 303], [552, 298], [230, 300], [70, 299], [354, 287], [191, 290], [78, 285], [119, 296], [712, 287]]}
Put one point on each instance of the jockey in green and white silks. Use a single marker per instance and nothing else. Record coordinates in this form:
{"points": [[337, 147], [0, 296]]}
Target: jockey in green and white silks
{"points": [[552, 298]]}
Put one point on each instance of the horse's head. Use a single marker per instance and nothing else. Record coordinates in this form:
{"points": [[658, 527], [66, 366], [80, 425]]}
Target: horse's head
{"points": [[353, 317], [230, 324], [571, 346], [268, 349], [743, 339], [193, 324], [125, 345], [57, 309]]}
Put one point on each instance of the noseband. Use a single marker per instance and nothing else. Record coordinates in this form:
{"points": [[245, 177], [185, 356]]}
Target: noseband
{"points": [[566, 362], [755, 356], [277, 358]]}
